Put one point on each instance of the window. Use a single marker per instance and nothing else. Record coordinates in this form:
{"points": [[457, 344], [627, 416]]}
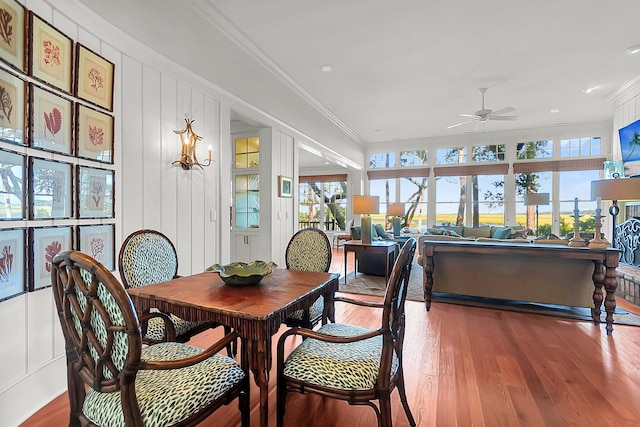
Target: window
{"points": [[489, 153], [538, 182], [577, 184], [385, 189], [323, 203], [451, 155], [576, 147], [247, 152], [414, 158], [247, 185], [535, 150], [413, 193], [382, 160]]}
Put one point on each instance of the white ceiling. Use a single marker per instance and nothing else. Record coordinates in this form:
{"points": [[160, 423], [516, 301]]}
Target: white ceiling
{"points": [[407, 69]]}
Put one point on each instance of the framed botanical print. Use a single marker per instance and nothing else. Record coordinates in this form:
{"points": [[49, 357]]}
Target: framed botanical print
{"points": [[51, 59], [13, 93], [97, 242], [95, 192], [50, 192], [12, 262], [94, 78], [12, 190], [94, 134], [51, 121], [12, 34], [46, 242]]}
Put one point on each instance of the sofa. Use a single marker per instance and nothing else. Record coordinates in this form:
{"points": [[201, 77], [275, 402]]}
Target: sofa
{"points": [[373, 264]]}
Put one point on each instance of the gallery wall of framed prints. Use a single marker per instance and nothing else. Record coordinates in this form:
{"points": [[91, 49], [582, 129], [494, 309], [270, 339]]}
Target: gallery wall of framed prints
{"points": [[57, 176]]}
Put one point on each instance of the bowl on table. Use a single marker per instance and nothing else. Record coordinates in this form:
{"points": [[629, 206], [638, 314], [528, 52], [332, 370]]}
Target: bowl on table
{"points": [[242, 273]]}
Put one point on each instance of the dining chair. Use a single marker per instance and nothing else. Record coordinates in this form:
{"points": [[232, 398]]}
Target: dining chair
{"points": [[338, 237], [349, 362], [148, 257], [113, 379], [309, 249]]}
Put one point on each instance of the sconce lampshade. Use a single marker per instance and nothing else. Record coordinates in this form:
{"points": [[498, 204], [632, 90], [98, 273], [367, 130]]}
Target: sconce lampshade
{"points": [[366, 204], [536, 199], [396, 209], [620, 189]]}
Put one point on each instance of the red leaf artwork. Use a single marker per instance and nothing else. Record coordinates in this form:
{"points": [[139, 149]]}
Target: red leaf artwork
{"points": [[53, 121], [51, 251], [6, 264], [51, 53], [96, 79], [96, 135]]}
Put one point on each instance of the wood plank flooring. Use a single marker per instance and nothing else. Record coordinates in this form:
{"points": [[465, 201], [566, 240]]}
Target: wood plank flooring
{"points": [[469, 366]]}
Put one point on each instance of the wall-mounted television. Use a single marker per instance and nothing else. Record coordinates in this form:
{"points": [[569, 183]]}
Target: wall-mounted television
{"points": [[630, 148]]}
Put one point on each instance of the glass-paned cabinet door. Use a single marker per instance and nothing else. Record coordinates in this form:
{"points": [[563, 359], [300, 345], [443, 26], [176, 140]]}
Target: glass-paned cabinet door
{"points": [[247, 201], [247, 152]]}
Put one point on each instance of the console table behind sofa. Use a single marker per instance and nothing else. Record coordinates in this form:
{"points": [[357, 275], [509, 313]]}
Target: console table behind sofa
{"points": [[549, 274]]}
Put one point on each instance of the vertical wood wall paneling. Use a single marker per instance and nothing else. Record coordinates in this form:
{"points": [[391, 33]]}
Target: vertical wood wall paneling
{"points": [[14, 313], [151, 164], [132, 146], [40, 343], [211, 193], [198, 205], [170, 120], [224, 162], [184, 187]]}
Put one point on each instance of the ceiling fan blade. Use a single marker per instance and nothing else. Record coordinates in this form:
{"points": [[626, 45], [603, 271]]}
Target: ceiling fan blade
{"points": [[470, 115], [492, 117], [460, 124], [503, 111]]}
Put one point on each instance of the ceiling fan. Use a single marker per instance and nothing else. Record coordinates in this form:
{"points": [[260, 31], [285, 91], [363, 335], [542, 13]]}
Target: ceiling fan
{"points": [[485, 114]]}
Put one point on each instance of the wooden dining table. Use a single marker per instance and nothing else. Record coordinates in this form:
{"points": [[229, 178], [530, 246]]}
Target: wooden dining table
{"points": [[255, 312]]}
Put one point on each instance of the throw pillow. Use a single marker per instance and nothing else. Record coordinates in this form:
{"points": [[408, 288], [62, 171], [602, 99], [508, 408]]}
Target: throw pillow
{"points": [[451, 233], [502, 233], [436, 231], [379, 230]]}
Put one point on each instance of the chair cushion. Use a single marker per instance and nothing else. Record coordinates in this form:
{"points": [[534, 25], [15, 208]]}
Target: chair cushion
{"points": [[351, 366], [315, 310], [169, 396], [155, 327], [149, 258]]}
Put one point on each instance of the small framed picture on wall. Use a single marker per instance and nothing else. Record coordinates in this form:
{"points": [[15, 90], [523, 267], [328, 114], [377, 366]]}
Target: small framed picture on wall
{"points": [[94, 138], [12, 34], [50, 192], [284, 186], [12, 191], [94, 75], [95, 192], [46, 242], [51, 121], [12, 262], [13, 91], [51, 59], [97, 242]]}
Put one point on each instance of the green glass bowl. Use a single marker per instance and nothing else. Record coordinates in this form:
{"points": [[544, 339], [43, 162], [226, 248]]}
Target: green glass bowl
{"points": [[241, 273]]}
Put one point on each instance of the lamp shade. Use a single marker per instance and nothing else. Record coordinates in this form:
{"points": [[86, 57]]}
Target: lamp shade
{"points": [[365, 204], [395, 209], [616, 189], [536, 199]]}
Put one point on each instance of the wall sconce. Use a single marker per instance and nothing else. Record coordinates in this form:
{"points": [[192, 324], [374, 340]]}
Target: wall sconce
{"points": [[189, 139], [396, 210], [365, 205]]}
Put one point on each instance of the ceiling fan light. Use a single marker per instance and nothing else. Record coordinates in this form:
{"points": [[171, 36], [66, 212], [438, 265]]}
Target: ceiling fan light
{"points": [[589, 89], [633, 49]]}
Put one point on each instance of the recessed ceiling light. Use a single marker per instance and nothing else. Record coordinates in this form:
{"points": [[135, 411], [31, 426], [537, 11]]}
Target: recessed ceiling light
{"points": [[589, 89], [326, 68], [554, 110], [633, 49]]}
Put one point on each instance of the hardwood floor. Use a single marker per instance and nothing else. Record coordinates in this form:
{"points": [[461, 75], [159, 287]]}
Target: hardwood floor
{"points": [[473, 366]]}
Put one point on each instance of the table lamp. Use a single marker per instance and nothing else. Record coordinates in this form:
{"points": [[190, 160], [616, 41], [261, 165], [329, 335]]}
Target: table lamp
{"points": [[616, 190], [396, 210], [365, 205], [536, 199]]}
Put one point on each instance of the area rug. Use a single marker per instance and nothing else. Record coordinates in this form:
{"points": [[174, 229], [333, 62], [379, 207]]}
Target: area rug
{"points": [[376, 285]]}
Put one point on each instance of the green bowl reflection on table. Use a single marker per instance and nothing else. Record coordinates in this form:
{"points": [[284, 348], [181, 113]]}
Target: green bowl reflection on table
{"points": [[242, 273]]}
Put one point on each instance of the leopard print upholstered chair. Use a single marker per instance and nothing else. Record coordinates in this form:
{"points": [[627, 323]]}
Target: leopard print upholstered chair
{"points": [[309, 249], [148, 257], [349, 362], [113, 379]]}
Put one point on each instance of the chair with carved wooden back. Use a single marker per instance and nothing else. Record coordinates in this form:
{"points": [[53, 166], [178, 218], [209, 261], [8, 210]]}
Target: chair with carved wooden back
{"points": [[309, 249], [113, 379], [349, 362], [148, 257], [339, 237]]}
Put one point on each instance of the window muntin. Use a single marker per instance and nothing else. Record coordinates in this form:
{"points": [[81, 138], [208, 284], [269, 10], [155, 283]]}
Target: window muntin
{"points": [[247, 197], [445, 156], [534, 150], [247, 153], [414, 158], [382, 160], [579, 147]]}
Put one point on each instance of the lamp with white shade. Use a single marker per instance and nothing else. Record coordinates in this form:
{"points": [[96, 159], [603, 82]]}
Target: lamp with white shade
{"points": [[365, 206], [616, 190], [396, 210], [536, 199]]}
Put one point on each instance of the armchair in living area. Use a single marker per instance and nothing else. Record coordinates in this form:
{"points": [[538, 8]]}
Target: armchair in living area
{"points": [[373, 263]]}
